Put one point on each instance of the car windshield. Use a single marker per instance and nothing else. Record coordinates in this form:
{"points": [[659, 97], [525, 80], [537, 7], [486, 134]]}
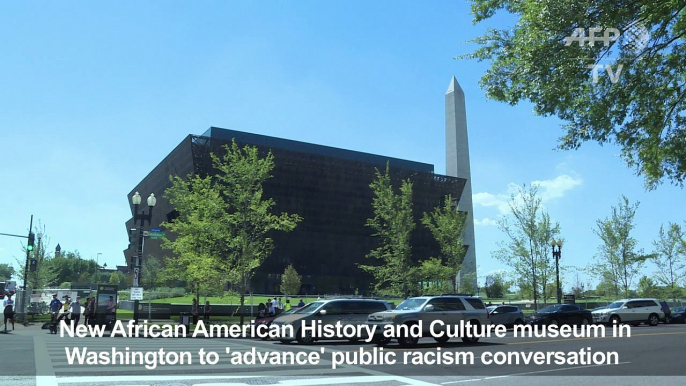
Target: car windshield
{"points": [[411, 304], [678, 309], [310, 308], [615, 305], [550, 309], [491, 308]]}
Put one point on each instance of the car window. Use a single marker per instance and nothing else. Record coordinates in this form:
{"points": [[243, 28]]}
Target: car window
{"points": [[371, 307], [310, 308], [334, 308], [568, 308], [635, 304], [411, 304], [438, 303], [454, 304], [476, 303]]}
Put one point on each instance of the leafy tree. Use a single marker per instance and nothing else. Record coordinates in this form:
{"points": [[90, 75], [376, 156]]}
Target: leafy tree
{"points": [[447, 224], [290, 281], [151, 272], [393, 224], [647, 288], [527, 248], [496, 285], [436, 277], [224, 220], [6, 272], [619, 259], [640, 107], [119, 279], [670, 258]]}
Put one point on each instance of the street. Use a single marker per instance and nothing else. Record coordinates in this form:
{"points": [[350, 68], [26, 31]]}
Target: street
{"points": [[32, 356]]}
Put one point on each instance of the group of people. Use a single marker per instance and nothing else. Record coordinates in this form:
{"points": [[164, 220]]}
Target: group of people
{"points": [[72, 310], [195, 311], [274, 307]]}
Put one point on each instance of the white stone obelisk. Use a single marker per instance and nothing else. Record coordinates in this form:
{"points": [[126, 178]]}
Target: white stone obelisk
{"points": [[457, 165]]}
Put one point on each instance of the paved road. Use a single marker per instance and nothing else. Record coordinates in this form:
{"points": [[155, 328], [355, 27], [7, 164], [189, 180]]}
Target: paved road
{"points": [[650, 352]]}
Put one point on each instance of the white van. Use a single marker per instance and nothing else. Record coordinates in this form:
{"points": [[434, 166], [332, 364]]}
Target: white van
{"points": [[631, 311]]}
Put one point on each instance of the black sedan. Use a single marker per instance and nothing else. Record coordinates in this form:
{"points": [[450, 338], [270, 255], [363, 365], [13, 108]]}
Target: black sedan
{"points": [[559, 314], [678, 315]]}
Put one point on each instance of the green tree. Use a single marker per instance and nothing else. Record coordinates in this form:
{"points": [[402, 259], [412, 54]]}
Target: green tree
{"points": [[670, 258], [641, 108], [290, 281], [6, 272], [496, 285], [447, 224], [435, 277], [151, 272], [224, 220], [393, 224], [117, 278], [647, 288], [619, 260], [526, 250]]}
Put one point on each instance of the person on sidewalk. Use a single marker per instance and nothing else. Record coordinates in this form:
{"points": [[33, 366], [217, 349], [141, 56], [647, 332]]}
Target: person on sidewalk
{"points": [[55, 306], [195, 311], [287, 307], [75, 308], [8, 306], [206, 312]]}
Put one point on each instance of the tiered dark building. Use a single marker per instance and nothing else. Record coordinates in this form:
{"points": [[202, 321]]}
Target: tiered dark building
{"points": [[328, 187]]}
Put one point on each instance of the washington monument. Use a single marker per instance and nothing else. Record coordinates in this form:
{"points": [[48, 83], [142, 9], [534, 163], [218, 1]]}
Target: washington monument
{"points": [[457, 165]]}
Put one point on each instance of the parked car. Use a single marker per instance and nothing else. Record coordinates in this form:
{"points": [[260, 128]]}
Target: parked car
{"points": [[450, 309], [507, 315], [599, 308], [678, 315], [329, 312], [632, 311], [668, 313], [269, 319], [560, 314]]}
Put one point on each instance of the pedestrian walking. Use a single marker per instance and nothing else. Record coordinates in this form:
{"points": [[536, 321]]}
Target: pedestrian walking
{"points": [[195, 311], [206, 311], [75, 308], [8, 310], [55, 306]]}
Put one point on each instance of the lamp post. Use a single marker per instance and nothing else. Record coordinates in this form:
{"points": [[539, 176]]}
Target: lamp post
{"points": [[142, 217], [97, 259], [557, 254]]}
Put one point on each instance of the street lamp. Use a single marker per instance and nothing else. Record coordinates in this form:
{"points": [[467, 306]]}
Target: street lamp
{"points": [[142, 217], [97, 259], [557, 254]]}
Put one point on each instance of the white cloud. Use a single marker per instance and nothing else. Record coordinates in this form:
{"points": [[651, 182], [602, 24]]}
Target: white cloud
{"points": [[485, 222], [548, 190]]}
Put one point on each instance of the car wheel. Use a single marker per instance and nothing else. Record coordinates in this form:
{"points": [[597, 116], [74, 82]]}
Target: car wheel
{"points": [[382, 341], [518, 322], [615, 319], [585, 322], [554, 322], [307, 339], [407, 341], [442, 339], [653, 320], [476, 328]]}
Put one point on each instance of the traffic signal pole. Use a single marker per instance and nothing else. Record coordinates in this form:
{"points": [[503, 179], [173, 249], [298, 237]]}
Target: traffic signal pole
{"points": [[26, 273]]}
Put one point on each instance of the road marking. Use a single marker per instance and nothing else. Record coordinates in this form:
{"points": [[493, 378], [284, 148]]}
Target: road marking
{"points": [[45, 375], [530, 373]]}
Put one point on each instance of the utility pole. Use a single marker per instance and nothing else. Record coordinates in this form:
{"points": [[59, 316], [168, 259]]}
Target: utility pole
{"points": [[26, 272]]}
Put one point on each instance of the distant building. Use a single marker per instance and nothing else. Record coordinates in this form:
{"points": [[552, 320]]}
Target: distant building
{"points": [[329, 188]]}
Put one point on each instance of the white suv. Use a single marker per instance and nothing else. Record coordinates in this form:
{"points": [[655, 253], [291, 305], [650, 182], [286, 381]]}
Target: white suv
{"points": [[631, 311]]}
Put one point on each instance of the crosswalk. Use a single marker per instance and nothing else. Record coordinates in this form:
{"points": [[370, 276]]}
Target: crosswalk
{"points": [[64, 361]]}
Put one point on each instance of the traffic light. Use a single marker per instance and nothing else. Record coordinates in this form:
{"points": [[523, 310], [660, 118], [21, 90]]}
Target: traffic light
{"points": [[29, 246], [33, 265]]}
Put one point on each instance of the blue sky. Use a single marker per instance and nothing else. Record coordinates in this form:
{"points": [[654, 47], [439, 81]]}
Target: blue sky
{"points": [[93, 96]]}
